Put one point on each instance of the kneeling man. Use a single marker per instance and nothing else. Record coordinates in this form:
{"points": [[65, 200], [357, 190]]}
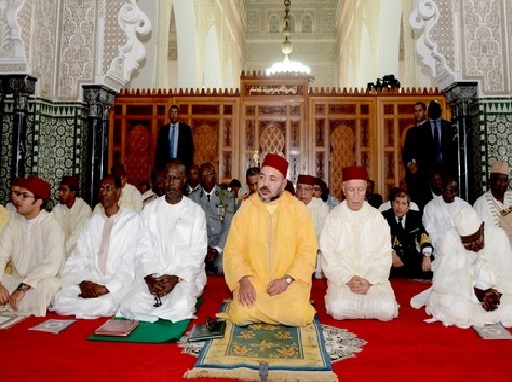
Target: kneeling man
{"points": [[34, 242], [101, 268], [170, 270], [270, 254], [472, 282], [356, 255]]}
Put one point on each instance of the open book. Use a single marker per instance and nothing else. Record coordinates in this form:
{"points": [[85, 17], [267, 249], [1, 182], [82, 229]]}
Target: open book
{"points": [[202, 332], [116, 328]]}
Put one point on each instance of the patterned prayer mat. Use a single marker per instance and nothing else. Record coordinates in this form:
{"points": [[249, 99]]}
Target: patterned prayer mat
{"points": [[292, 354], [340, 344]]}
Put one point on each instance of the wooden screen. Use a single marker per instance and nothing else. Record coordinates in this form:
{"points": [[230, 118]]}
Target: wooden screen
{"points": [[319, 131]]}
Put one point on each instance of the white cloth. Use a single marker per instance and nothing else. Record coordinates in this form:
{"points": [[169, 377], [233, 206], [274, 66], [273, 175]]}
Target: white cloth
{"points": [[36, 248], [130, 199], [148, 197], [173, 242], [438, 219], [72, 221], [83, 264], [387, 205], [357, 243], [319, 211], [451, 299], [488, 208]]}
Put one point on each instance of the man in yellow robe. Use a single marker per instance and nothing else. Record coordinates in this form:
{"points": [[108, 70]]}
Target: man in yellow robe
{"points": [[270, 254]]}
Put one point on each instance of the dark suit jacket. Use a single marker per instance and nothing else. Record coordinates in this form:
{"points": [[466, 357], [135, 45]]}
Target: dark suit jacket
{"points": [[419, 145], [185, 152], [404, 242]]}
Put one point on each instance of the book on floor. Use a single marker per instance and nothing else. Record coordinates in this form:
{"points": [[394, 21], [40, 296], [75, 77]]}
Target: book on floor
{"points": [[493, 332], [52, 325], [116, 328], [203, 332], [7, 320]]}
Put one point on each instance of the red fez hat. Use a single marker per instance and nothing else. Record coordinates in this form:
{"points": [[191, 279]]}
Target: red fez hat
{"points": [[38, 186], [17, 181], [277, 162], [306, 179], [354, 172], [71, 181]]}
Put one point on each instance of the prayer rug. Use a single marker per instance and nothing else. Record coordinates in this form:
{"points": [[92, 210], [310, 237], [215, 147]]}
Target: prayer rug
{"points": [[340, 344], [292, 354]]}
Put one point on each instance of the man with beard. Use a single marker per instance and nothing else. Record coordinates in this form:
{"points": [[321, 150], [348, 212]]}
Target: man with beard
{"points": [[439, 213], [170, 256], [472, 282], [490, 205], [71, 212], [100, 270], [269, 257], [219, 207], [34, 241], [356, 255]]}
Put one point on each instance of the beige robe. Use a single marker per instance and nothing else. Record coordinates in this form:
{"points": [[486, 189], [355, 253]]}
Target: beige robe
{"points": [[36, 248], [72, 221], [357, 243]]}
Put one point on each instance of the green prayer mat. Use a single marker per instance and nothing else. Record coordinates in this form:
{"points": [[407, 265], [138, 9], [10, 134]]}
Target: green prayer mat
{"points": [[157, 332], [147, 332]]}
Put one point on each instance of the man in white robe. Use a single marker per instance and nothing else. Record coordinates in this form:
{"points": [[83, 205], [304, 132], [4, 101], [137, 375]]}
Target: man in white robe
{"points": [[472, 283], [71, 212], [356, 255], [170, 273], [318, 210], [497, 199], [35, 244], [101, 269], [131, 198], [439, 213]]}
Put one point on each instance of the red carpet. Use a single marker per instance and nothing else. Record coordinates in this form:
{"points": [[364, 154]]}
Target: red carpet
{"points": [[405, 349]]}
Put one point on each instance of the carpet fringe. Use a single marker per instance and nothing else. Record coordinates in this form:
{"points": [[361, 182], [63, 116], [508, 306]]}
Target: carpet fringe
{"points": [[246, 374]]}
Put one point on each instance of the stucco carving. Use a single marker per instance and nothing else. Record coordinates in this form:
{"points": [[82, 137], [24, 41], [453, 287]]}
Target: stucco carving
{"points": [[133, 22], [77, 50], [12, 51], [484, 44], [426, 18]]}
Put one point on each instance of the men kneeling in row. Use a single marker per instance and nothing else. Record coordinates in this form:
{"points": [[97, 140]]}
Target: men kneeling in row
{"points": [[146, 267]]}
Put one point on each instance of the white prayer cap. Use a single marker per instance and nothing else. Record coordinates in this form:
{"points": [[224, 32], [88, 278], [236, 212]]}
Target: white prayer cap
{"points": [[467, 221], [499, 168]]}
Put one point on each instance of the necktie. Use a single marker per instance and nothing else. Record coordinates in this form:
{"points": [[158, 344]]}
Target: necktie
{"points": [[400, 224], [208, 197], [171, 148], [439, 155]]}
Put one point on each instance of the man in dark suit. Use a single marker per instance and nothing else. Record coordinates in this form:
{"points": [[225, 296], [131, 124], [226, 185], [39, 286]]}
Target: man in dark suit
{"points": [[174, 142], [411, 245], [432, 146]]}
